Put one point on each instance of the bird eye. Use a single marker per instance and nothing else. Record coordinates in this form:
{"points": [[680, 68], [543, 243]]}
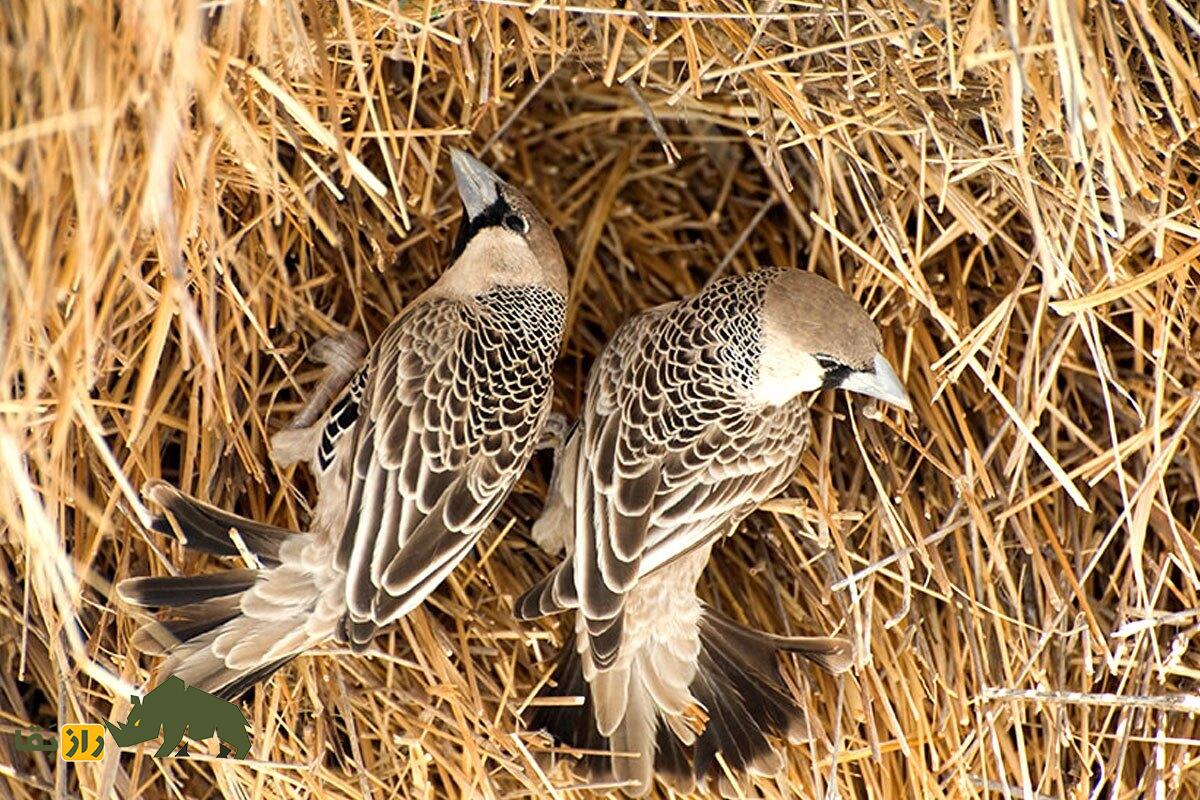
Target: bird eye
{"points": [[516, 223], [827, 362]]}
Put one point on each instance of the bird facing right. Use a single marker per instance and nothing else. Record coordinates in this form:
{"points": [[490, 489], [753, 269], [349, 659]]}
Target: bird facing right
{"points": [[696, 412]]}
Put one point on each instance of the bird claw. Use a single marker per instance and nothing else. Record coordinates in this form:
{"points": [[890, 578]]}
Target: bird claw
{"points": [[342, 355], [553, 432], [695, 716], [342, 351]]}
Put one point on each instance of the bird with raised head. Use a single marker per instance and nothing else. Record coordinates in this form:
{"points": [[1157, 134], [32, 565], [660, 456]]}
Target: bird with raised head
{"points": [[695, 413], [412, 460]]}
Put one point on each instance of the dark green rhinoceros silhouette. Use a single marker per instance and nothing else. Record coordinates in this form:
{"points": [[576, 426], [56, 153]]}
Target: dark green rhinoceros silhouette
{"points": [[177, 708]]}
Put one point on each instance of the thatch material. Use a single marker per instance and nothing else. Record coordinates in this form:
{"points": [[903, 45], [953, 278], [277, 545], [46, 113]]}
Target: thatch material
{"points": [[192, 193]]}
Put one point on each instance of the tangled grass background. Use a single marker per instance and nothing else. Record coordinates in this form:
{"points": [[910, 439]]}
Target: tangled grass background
{"points": [[192, 193]]}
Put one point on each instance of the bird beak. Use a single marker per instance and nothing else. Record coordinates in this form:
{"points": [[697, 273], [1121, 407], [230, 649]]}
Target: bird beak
{"points": [[882, 383], [478, 186]]}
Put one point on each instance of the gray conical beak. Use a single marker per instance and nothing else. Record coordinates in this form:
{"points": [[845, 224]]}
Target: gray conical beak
{"points": [[882, 383], [478, 186]]}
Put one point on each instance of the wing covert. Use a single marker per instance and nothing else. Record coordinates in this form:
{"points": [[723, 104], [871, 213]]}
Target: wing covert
{"points": [[452, 402], [667, 464]]}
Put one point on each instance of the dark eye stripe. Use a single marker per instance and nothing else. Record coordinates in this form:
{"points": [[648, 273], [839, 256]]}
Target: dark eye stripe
{"points": [[835, 375], [498, 213], [835, 371]]}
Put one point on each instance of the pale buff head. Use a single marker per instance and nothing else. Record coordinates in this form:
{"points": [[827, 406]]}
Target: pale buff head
{"points": [[502, 239], [815, 336]]}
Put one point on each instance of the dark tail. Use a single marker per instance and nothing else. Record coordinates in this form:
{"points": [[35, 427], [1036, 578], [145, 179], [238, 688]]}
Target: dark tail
{"points": [[570, 724], [205, 632], [737, 682], [206, 528]]}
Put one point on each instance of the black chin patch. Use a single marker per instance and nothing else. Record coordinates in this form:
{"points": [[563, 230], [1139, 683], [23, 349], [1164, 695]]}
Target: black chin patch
{"points": [[835, 375], [491, 216]]}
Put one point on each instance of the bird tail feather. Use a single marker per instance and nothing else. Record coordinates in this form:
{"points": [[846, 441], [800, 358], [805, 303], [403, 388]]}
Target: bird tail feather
{"points": [[737, 683], [573, 724], [205, 528], [223, 632]]}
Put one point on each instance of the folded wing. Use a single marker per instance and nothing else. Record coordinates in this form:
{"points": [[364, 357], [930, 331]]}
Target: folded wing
{"points": [[450, 412]]}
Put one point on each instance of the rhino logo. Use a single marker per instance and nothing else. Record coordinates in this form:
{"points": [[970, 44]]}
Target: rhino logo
{"points": [[176, 708]]}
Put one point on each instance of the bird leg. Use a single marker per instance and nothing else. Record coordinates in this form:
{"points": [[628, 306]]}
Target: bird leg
{"points": [[550, 531], [342, 355], [553, 434]]}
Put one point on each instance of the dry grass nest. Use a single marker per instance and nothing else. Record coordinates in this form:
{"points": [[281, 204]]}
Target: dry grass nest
{"points": [[193, 193]]}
